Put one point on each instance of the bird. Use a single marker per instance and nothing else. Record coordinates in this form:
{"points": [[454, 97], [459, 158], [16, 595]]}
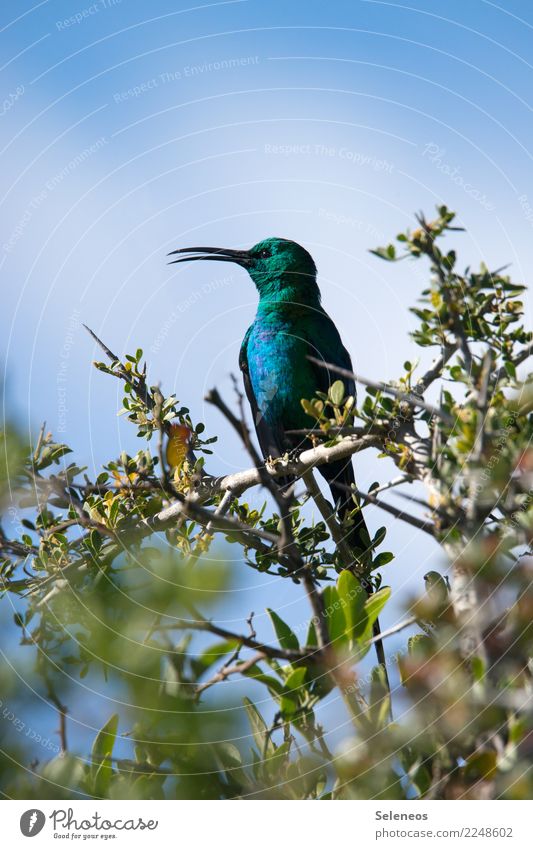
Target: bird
{"points": [[291, 326]]}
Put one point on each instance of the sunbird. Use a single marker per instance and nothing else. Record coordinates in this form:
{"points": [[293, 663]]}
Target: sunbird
{"points": [[290, 325]]}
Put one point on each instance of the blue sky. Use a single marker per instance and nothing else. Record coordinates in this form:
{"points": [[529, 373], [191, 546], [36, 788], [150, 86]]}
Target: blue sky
{"points": [[131, 129]]}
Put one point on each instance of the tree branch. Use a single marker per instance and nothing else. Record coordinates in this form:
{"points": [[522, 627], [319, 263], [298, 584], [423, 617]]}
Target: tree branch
{"points": [[227, 670], [427, 527], [248, 641]]}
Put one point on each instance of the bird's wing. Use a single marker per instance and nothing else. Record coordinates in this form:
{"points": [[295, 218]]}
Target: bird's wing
{"points": [[325, 344], [270, 442]]}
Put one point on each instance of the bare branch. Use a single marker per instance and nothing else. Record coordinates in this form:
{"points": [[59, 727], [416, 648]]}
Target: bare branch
{"points": [[227, 670], [435, 371], [139, 387], [239, 482], [249, 641], [427, 527], [405, 623]]}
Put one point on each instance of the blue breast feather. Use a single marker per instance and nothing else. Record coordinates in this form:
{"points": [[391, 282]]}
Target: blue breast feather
{"points": [[280, 372]]}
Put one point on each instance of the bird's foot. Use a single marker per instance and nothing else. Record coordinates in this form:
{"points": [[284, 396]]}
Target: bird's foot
{"points": [[274, 464]]}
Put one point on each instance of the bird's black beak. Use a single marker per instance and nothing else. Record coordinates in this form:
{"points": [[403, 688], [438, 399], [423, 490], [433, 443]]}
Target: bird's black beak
{"points": [[243, 258]]}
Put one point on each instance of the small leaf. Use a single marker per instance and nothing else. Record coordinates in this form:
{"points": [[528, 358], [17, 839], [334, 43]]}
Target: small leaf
{"points": [[213, 654], [290, 699], [380, 535], [388, 253], [336, 392], [373, 607], [275, 686], [287, 639], [383, 558], [259, 729], [104, 741], [352, 597], [311, 635], [336, 620], [510, 368]]}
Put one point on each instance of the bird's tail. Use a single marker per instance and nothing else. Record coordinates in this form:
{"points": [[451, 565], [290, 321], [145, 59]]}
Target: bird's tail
{"points": [[341, 480]]}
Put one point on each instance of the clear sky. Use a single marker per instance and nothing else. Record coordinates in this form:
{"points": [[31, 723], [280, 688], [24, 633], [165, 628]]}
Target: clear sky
{"points": [[129, 129]]}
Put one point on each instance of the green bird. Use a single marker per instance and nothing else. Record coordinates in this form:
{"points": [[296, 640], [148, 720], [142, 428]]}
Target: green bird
{"points": [[290, 326]]}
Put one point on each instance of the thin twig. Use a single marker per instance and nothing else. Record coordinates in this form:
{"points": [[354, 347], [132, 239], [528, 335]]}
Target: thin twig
{"points": [[435, 371], [62, 711], [401, 479], [406, 623], [427, 527], [249, 642], [227, 670]]}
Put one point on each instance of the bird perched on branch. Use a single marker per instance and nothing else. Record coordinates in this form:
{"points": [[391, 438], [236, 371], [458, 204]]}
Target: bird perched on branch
{"points": [[290, 326]]}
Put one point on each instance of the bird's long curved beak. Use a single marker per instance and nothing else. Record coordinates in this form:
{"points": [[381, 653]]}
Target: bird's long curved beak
{"points": [[222, 254]]}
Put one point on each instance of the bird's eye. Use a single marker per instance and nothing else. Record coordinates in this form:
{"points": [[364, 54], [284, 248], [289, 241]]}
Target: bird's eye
{"points": [[265, 253]]}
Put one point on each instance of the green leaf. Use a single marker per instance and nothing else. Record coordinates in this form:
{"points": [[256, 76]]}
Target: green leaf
{"points": [[230, 759], [379, 707], [478, 669], [276, 761], [336, 621], [375, 604], [380, 534], [259, 729], [510, 368], [336, 392], [311, 635], [286, 638], [352, 597], [105, 740], [383, 558], [101, 769], [388, 253], [275, 686], [290, 700], [52, 453], [373, 607], [212, 654], [419, 644]]}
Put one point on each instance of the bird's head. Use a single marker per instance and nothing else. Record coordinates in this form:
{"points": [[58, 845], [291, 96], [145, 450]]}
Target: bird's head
{"points": [[280, 269]]}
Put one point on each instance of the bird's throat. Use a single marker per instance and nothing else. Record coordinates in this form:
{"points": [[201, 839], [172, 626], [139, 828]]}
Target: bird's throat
{"points": [[290, 295]]}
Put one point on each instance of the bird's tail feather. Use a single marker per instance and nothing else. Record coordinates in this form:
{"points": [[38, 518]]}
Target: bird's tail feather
{"points": [[341, 480]]}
